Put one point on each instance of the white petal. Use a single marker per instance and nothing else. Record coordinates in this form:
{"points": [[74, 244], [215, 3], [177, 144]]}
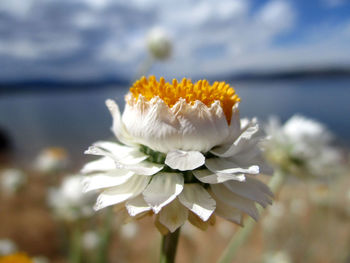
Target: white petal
{"points": [[225, 195], [251, 189], [163, 188], [219, 165], [123, 192], [228, 212], [143, 168], [103, 180], [209, 177], [242, 142], [137, 205], [195, 127], [184, 161], [101, 165], [118, 126], [173, 215], [198, 200], [124, 154]]}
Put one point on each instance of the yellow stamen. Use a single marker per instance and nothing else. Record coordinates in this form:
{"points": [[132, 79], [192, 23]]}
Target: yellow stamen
{"points": [[170, 93]]}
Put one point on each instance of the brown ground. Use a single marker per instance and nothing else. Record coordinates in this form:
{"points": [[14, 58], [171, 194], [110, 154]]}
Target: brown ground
{"points": [[312, 227]]}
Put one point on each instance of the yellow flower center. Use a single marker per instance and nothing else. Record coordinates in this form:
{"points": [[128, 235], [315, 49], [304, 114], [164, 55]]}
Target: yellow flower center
{"points": [[170, 93], [16, 258]]}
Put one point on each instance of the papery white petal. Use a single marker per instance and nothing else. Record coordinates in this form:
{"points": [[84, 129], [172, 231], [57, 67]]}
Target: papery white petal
{"points": [[123, 192], [125, 154], [144, 168], [241, 143], [209, 177], [251, 189], [184, 161], [228, 212], [234, 127], [198, 200], [225, 195], [184, 126], [118, 127], [163, 189], [103, 164], [173, 215], [137, 205], [219, 165], [108, 179]]}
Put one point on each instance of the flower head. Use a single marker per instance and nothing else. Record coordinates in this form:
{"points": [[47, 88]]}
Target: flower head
{"points": [[301, 147], [68, 201], [16, 258], [183, 154]]}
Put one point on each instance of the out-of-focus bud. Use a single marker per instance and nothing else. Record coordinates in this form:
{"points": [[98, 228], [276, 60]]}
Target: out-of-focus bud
{"points": [[159, 44]]}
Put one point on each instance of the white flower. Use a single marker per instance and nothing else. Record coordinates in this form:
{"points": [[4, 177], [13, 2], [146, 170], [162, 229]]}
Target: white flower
{"points": [[90, 240], [7, 247], [277, 257], [301, 147], [185, 155], [159, 44], [12, 180], [52, 160], [68, 201], [129, 231]]}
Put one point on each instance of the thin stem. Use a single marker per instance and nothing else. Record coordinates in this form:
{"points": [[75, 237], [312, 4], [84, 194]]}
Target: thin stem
{"points": [[169, 246], [105, 236], [243, 234], [75, 244]]}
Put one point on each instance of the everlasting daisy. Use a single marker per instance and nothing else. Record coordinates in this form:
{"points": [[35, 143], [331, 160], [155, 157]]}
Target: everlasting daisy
{"points": [[183, 154], [69, 202], [301, 147]]}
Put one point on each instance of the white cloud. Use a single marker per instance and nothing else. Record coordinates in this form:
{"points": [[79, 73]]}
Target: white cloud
{"points": [[96, 38]]}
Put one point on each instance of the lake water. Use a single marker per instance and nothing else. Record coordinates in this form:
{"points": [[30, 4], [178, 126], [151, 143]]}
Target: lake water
{"points": [[76, 119]]}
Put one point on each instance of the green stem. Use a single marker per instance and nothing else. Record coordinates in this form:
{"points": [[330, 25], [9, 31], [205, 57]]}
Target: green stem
{"points": [[75, 244], [243, 233], [169, 245], [105, 236]]}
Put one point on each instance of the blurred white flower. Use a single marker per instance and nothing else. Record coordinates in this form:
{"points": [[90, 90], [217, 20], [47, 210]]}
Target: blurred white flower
{"points": [[90, 240], [277, 257], [40, 259], [186, 155], [159, 43], [52, 160], [7, 247], [129, 230], [69, 202], [301, 147], [12, 180]]}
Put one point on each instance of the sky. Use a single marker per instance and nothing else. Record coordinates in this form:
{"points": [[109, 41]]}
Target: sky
{"points": [[82, 40]]}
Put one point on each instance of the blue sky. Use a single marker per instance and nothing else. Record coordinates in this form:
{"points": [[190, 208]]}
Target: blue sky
{"points": [[93, 39]]}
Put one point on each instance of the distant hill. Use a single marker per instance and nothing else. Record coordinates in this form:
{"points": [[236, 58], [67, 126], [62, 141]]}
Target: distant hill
{"points": [[49, 85]]}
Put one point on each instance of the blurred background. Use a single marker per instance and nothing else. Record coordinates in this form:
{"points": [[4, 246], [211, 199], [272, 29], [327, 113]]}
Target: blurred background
{"points": [[61, 59]]}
